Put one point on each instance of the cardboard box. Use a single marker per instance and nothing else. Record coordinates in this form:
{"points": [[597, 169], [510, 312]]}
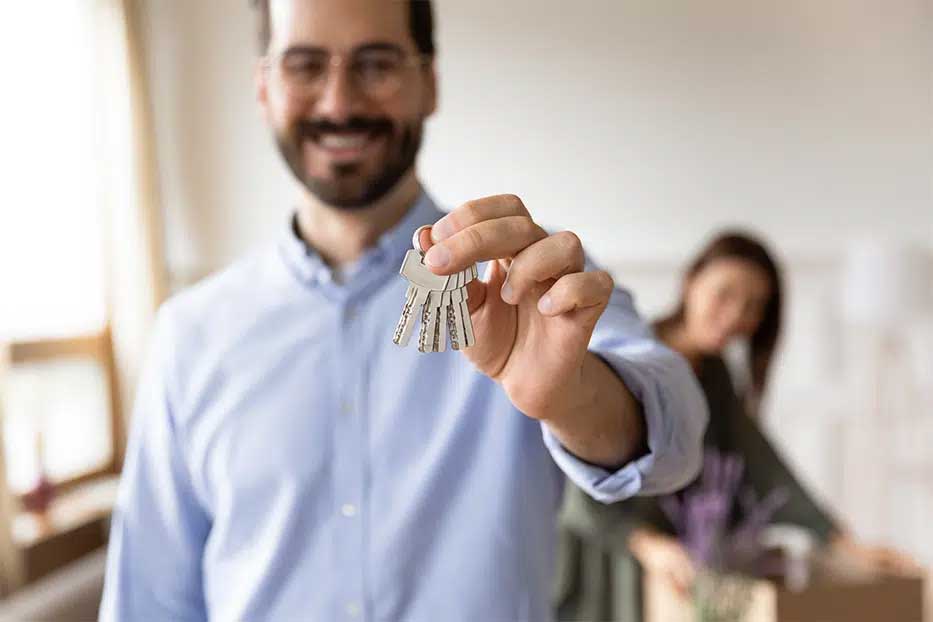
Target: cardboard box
{"points": [[882, 599]]}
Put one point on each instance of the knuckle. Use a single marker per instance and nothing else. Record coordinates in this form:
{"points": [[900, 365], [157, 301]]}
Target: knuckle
{"points": [[570, 242], [526, 227], [568, 296], [514, 202], [474, 238], [605, 280], [469, 212], [567, 288]]}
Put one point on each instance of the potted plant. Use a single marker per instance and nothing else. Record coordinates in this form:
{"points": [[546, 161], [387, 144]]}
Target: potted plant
{"points": [[720, 523]]}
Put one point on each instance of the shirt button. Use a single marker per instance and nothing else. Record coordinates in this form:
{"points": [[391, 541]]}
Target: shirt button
{"points": [[346, 408], [348, 510], [353, 609]]}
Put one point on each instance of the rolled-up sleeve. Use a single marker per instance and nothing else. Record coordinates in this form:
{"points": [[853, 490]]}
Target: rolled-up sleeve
{"points": [[673, 405]]}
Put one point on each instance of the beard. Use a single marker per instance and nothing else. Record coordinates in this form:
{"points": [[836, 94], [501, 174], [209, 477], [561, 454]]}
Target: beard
{"points": [[350, 187]]}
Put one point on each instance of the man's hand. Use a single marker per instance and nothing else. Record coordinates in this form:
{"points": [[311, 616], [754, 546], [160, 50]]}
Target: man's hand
{"points": [[533, 315], [534, 311]]}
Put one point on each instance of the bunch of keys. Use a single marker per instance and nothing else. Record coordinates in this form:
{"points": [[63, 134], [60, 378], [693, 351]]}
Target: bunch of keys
{"points": [[439, 300]]}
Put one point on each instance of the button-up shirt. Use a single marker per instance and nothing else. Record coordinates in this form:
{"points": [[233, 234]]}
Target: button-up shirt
{"points": [[288, 462]]}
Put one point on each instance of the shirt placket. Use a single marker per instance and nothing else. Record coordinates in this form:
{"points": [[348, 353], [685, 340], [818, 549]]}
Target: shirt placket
{"points": [[350, 466]]}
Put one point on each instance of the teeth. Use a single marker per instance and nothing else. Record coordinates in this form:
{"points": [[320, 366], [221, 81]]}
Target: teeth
{"points": [[343, 141]]}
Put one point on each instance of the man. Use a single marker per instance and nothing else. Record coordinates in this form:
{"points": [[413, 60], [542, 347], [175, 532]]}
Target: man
{"points": [[288, 462]]}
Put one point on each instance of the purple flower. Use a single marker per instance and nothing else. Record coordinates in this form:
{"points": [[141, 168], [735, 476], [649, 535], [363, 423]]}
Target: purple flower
{"points": [[702, 515]]}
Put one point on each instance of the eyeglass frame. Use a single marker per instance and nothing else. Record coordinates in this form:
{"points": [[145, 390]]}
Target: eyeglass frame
{"points": [[335, 61]]}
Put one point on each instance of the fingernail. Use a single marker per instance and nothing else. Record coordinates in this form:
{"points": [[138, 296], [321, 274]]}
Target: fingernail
{"points": [[437, 256], [507, 293], [545, 304], [442, 229]]}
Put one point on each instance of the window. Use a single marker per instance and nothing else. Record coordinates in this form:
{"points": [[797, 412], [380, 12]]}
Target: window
{"points": [[61, 412]]}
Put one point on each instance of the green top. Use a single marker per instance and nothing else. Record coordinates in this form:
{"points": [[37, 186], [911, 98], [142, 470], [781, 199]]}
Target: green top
{"points": [[597, 579]]}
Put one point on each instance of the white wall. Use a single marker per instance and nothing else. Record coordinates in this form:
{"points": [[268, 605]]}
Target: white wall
{"points": [[221, 182], [647, 124], [642, 125]]}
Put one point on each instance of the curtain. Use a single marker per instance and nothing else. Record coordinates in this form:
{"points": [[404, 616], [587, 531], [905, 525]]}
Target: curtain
{"points": [[126, 177], [132, 206]]}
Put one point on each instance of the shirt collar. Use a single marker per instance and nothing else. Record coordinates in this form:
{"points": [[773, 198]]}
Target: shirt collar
{"points": [[389, 249]]}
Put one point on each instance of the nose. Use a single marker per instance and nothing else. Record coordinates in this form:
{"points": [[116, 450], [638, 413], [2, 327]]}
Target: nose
{"points": [[732, 319], [338, 98]]}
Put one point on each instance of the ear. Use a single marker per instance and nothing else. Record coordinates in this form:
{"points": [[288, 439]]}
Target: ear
{"points": [[430, 89], [261, 83]]}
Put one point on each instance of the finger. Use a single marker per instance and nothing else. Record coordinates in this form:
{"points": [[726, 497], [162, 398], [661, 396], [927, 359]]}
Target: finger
{"points": [[895, 561], [677, 582], [679, 577], [424, 239], [490, 239], [580, 290], [689, 572], [684, 572], [551, 258], [473, 212], [476, 289]]}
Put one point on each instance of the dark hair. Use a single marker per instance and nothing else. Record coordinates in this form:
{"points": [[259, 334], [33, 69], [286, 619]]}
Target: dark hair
{"points": [[420, 19], [738, 245]]}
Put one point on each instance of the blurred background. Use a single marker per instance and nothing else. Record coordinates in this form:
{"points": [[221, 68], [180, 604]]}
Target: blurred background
{"points": [[135, 163]]}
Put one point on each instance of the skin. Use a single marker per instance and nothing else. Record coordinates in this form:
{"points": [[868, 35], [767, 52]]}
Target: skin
{"points": [[533, 313], [722, 302]]}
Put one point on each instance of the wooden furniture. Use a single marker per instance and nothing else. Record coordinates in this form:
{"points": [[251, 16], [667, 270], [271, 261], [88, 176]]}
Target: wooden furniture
{"points": [[98, 347], [76, 524], [882, 599], [77, 521]]}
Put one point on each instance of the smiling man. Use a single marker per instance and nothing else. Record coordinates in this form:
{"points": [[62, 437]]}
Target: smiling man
{"points": [[288, 462]]}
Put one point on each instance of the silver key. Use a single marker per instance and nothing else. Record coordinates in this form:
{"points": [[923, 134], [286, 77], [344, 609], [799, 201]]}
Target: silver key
{"points": [[462, 311], [438, 319], [442, 322], [459, 323], [468, 338], [417, 273], [414, 301], [453, 316], [440, 301], [428, 342], [421, 283]]}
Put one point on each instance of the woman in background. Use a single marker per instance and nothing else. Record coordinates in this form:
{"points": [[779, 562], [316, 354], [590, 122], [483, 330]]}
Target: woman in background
{"points": [[732, 291]]}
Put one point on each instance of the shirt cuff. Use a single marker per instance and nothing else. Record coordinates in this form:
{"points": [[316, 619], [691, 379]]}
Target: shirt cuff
{"points": [[601, 484], [675, 419]]}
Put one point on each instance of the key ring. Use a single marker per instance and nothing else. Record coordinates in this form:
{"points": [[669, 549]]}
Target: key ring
{"points": [[416, 238]]}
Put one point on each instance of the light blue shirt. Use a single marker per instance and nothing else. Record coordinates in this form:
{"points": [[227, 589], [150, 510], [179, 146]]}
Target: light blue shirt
{"points": [[288, 462]]}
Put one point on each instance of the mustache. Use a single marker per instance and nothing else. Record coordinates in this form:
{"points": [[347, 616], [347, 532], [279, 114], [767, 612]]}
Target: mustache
{"points": [[315, 127]]}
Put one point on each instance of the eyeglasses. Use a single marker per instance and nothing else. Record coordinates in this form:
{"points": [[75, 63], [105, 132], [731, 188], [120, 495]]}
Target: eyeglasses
{"points": [[376, 73]]}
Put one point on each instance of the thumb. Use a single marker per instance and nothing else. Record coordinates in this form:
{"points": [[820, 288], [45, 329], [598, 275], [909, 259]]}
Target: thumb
{"points": [[476, 289]]}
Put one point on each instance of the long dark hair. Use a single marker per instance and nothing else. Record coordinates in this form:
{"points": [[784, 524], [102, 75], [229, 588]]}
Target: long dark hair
{"points": [[739, 245]]}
